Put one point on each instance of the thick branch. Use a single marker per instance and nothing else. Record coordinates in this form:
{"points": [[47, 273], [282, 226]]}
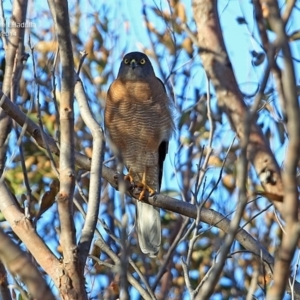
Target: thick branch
{"points": [[21, 265], [35, 132], [25, 231], [75, 288], [219, 69], [59, 10], [14, 53], [14, 56], [289, 176], [4, 290]]}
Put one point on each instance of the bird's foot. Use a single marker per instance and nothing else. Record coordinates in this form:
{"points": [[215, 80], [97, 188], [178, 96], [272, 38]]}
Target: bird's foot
{"points": [[146, 191], [129, 178]]}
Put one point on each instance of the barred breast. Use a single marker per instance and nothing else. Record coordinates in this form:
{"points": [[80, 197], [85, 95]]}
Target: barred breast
{"points": [[138, 119]]}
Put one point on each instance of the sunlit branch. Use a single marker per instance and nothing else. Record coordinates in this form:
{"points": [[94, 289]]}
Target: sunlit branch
{"points": [[95, 173], [290, 186]]}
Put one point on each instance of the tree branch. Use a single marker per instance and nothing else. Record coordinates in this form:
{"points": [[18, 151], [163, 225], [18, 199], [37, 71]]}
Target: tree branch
{"points": [[75, 288], [14, 57], [25, 231], [21, 265], [184, 208], [290, 213], [216, 63], [95, 174], [104, 247], [210, 283], [4, 290]]}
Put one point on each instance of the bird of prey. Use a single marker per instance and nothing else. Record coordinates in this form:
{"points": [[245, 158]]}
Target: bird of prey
{"points": [[139, 121]]}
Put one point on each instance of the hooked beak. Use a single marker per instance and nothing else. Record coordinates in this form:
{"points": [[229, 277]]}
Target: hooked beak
{"points": [[133, 64]]}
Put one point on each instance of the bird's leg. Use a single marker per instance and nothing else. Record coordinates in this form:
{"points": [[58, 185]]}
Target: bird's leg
{"points": [[145, 188]]}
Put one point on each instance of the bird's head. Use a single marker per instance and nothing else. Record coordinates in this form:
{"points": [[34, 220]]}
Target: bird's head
{"points": [[135, 65]]}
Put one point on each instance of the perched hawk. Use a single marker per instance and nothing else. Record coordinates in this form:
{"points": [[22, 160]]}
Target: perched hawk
{"points": [[138, 118]]}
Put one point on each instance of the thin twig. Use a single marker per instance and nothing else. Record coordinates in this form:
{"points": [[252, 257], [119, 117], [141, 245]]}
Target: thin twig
{"points": [[170, 252], [54, 93], [104, 247], [52, 161]]}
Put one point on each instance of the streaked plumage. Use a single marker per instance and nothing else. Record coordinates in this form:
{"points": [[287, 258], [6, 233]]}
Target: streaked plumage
{"points": [[138, 118]]}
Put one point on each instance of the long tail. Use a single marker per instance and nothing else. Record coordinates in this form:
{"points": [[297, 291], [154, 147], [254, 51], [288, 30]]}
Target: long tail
{"points": [[148, 228]]}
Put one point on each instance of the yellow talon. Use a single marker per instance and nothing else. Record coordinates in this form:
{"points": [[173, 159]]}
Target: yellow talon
{"points": [[145, 188], [129, 177], [142, 185]]}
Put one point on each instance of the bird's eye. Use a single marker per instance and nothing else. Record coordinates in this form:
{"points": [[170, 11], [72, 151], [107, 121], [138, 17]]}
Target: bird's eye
{"points": [[126, 61], [142, 61]]}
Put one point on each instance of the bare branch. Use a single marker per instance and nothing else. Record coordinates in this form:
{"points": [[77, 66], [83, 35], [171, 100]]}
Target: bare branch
{"points": [[216, 63], [20, 264], [288, 10], [272, 65], [14, 57], [24, 230], [42, 139], [76, 288], [4, 290], [104, 247], [210, 283], [96, 173], [289, 176], [115, 258]]}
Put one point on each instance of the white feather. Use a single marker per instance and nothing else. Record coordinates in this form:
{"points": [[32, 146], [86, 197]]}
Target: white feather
{"points": [[148, 228]]}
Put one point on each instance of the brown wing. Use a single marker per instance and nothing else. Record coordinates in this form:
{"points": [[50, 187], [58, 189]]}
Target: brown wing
{"points": [[162, 150]]}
